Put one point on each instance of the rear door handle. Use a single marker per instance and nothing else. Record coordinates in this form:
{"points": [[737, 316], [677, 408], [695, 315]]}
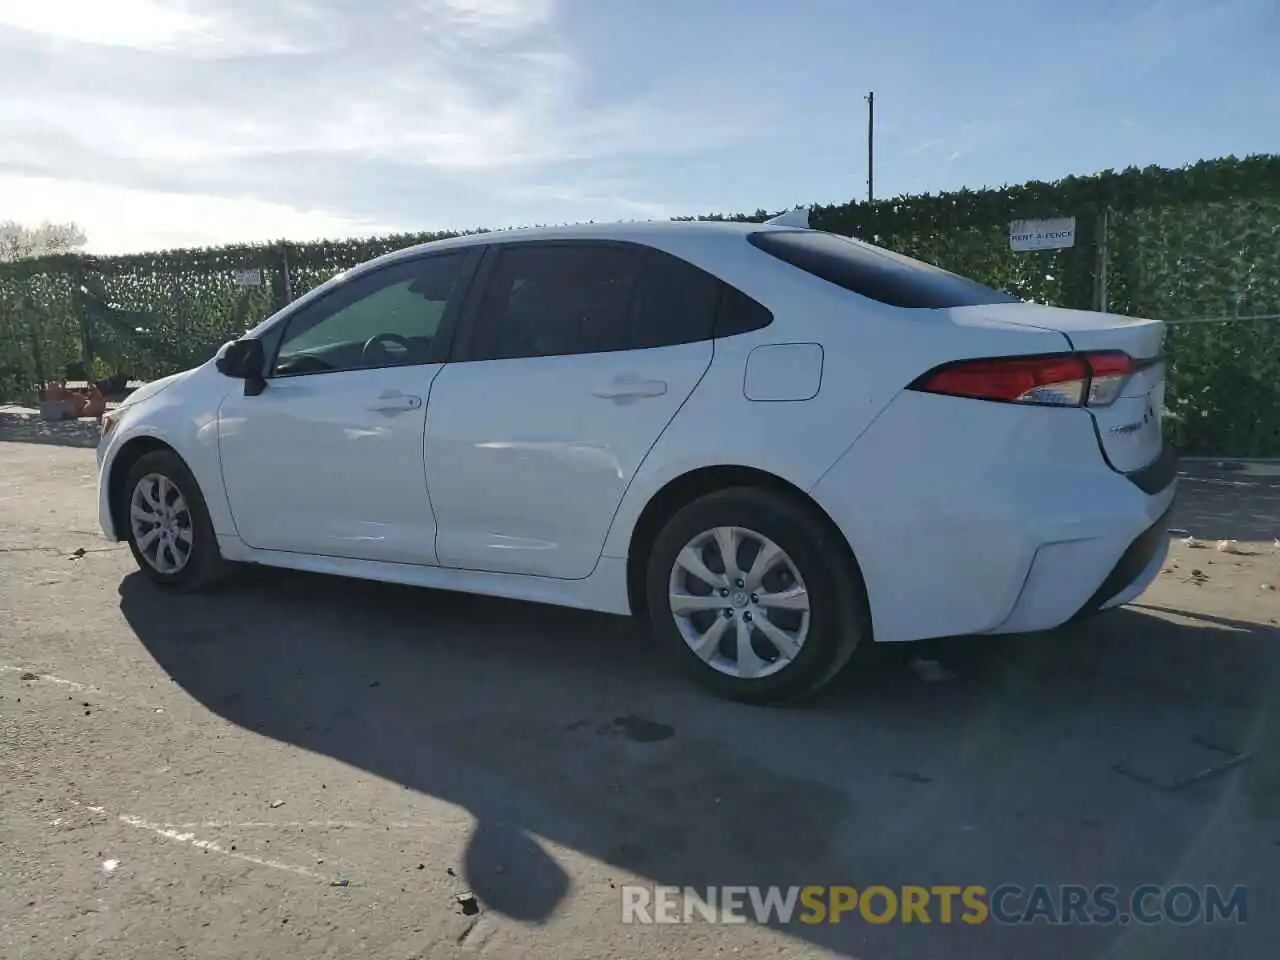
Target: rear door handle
{"points": [[393, 402], [630, 388]]}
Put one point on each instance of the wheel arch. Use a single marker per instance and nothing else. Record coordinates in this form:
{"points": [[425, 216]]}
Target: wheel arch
{"points": [[130, 453], [689, 486]]}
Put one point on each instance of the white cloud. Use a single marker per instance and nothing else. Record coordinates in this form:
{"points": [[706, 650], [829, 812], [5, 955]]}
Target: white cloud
{"points": [[120, 220], [126, 23], [370, 110], [501, 15]]}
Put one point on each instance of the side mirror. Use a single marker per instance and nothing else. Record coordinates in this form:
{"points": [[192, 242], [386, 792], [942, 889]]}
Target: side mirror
{"points": [[243, 360]]}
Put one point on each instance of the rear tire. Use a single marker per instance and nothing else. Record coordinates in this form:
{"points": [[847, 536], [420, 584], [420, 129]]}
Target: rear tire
{"points": [[167, 524], [756, 632]]}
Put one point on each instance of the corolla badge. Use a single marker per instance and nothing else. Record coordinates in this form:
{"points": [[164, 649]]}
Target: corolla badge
{"points": [[1125, 429]]}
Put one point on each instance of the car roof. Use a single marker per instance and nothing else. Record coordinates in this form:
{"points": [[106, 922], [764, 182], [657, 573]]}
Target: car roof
{"points": [[681, 237], [648, 232]]}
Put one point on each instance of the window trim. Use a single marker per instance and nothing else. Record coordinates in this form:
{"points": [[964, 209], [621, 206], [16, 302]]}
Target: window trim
{"points": [[441, 343]]}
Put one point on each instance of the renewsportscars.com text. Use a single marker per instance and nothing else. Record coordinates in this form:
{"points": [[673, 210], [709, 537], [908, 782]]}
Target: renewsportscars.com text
{"points": [[1009, 904]]}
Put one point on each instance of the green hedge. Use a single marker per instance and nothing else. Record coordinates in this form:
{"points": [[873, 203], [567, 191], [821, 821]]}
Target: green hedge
{"points": [[1188, 244]]}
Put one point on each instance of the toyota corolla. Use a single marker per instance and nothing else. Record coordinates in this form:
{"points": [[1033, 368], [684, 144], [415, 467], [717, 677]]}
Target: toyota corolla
{"points": [[774, 444]]}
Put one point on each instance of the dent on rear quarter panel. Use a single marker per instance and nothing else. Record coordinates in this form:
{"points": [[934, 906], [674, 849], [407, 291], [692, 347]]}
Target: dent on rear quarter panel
{"points": [[945, 501]]}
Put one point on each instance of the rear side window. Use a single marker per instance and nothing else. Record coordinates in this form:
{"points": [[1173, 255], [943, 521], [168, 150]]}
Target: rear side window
{"points": [[555, 300], [561, 299], [873, 272], [674, 302], [740, 314]]}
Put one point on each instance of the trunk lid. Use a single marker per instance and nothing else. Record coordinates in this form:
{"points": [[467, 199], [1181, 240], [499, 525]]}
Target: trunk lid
{"points": [[1130, 429]]}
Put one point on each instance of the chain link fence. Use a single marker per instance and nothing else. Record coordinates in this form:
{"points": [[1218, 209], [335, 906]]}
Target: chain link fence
{"points": [[1198, 248], [79, 317], [1212, 272]]}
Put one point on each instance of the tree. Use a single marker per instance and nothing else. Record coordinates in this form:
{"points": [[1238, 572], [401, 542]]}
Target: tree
{"points": [[18, 242]]}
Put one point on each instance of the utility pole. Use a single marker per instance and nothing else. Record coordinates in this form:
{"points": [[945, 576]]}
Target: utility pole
{"points": [[871, 145]]}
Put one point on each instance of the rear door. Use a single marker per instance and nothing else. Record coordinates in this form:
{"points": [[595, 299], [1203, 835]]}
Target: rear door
{"points": [[575, 356]]}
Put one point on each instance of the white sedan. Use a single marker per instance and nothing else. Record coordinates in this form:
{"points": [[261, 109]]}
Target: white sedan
{"points": [[773, 443]]}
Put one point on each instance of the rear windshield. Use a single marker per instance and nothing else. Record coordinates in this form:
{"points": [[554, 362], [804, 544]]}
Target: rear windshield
{"points": [[873, 272]]}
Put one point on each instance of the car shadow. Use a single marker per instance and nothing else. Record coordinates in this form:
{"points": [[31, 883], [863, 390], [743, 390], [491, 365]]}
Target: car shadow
{"points": [[1053, 758]]}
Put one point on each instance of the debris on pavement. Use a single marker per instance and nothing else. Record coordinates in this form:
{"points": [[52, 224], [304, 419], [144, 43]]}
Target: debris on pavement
{"points": [[341, 882], [1179, 532], [30, 676], [470, 905], [1267, 586], [1193, 543], [109, 866], [78, 553], [930, 671], [276, 804], [1227, 546]]}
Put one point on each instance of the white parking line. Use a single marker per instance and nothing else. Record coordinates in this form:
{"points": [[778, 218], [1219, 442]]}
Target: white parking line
{"points": [[314, 825], [79, 687], [170, 833], [69, 684]]}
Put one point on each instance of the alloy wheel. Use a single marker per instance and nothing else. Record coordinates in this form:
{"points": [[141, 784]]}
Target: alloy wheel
{"points": [[739, 602], [161, 523]]}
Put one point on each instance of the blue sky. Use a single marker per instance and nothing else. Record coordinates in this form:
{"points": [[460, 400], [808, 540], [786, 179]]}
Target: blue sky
{"points": [[175, 122]]}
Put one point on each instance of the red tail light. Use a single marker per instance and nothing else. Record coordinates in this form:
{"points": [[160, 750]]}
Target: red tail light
{"points": [[1060, 380]]}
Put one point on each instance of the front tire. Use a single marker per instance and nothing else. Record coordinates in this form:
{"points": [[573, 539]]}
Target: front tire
{"points": [[755, 596], [167, 524]]}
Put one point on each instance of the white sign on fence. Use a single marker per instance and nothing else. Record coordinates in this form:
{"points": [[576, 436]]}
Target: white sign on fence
{"points": [[1053, 234], [249, 278]]}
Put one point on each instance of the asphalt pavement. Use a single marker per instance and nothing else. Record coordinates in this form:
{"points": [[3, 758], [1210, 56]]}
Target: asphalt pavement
{"points": [[303, 766]]}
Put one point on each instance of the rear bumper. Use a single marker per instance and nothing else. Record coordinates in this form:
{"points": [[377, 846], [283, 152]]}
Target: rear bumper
{"points": [[1060, 573], [990, 518], [1137, 567], [1157, 477]]}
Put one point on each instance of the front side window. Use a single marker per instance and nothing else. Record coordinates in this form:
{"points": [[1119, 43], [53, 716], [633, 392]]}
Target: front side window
{"points": [[389, 317]]}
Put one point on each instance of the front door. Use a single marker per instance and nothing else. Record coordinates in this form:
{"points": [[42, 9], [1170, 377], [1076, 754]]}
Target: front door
{"points": [[575, 359], [327, 459]]}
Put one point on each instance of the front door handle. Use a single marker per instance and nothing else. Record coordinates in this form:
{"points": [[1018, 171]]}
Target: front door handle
{"points": [[393, 401], [624, 389]]}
